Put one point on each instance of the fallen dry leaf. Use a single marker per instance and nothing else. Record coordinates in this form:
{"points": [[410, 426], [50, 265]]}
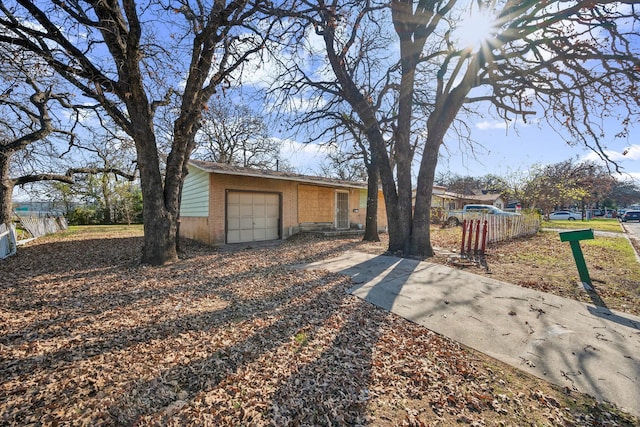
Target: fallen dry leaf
{"points": [[238, 337]]}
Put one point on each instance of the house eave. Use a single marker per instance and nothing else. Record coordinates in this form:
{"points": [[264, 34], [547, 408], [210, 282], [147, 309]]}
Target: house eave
{"points": [[326, 182]]}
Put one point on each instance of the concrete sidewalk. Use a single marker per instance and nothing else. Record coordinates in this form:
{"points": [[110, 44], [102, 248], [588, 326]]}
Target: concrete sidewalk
{"points": [[587, 348]]}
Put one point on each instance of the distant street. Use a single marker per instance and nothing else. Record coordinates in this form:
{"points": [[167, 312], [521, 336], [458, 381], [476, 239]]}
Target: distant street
{"points": [[633, 229]]}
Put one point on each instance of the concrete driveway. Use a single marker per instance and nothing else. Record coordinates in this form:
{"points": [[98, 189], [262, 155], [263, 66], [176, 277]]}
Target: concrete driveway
{"points": [[585, 347]]}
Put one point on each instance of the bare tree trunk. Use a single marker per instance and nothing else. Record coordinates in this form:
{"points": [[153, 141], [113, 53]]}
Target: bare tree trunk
{"points": [[6, 191], [421, 233], [371, 225], [412, 40], [439, 121], [159, 221], [380, 156], [108, 214], [185, 172], [403, 153], [184, 131]]}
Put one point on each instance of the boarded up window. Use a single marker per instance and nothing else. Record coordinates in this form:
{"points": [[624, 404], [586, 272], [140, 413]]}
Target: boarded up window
{"points": [[315, 204], [363, 199]]}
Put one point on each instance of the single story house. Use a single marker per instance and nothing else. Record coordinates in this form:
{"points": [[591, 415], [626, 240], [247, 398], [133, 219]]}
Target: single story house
{"points": [[456, 201], [447, 200], [480, 197], [223, 203], [440, 198]]}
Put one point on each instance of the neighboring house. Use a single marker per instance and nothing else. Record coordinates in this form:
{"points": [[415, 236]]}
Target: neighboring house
{"points": [[222, 204], [438, 197], [448, 200], [457, 200], [494, 199], [444, 199], [453, 201]]}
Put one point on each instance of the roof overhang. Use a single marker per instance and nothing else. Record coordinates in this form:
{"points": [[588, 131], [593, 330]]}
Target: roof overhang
{"points": [[217, 168]]}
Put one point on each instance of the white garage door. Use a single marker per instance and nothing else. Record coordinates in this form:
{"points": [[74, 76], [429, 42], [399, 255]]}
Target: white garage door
{"points": [[252, 217]]}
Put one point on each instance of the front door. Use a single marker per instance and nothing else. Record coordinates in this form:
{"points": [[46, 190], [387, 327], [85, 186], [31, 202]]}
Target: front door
{"points": [[342, 210]]}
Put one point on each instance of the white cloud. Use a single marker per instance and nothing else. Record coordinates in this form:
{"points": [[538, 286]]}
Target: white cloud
{"points": [[630, 153], [635, 176], [625, 176], [305, 158], [315, 44], [259, 71], [263, 70], [485, 125], [501, 124]]}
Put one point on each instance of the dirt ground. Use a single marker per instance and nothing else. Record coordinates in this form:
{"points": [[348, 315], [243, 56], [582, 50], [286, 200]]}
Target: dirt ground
{"points": [[236, 337]]}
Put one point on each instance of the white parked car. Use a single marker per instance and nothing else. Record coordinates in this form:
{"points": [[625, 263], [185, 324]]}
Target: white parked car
{"points": [[455, 217], [568, 215]]}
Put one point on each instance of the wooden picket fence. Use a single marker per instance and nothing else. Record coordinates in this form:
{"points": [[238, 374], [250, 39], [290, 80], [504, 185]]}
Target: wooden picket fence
{"points": [[503, 228], [8, 241]]}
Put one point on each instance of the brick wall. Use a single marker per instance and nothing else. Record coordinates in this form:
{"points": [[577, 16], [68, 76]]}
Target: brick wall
{"points": [[220, 184], [358, 200], [196, 228], [296, 207]]}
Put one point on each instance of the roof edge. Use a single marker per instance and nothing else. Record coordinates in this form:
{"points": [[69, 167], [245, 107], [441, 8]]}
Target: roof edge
{"points": [[212, 167]]}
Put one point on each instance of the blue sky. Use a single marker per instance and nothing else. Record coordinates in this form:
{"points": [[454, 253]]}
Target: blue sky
{"points": [[496, 150], [507, 150], [499, 151]]}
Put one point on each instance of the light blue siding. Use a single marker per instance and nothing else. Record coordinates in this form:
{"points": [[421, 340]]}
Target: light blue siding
{"points": [[195, 194]]}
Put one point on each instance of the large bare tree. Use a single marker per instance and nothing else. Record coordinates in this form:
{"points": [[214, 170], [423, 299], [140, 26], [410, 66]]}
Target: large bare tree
{"points": [[33, 135], [131, 58], [333, 97], [24, 121], [576, 62], [234, 134]]}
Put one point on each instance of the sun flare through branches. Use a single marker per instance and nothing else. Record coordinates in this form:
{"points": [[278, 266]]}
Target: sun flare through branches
{"points": [[475, 30]]}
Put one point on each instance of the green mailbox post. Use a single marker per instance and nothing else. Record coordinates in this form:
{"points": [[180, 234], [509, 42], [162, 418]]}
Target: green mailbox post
{"points": [[574, 237]]}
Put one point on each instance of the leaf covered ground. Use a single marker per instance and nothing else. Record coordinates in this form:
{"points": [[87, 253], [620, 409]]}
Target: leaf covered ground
{"points": [[238, 337]]}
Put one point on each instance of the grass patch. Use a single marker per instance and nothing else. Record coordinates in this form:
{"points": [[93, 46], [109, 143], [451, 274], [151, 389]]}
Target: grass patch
{"points": [[301, 338], [544, 263], [599, 224], [621, 248], [97, 231], [83, 229]]}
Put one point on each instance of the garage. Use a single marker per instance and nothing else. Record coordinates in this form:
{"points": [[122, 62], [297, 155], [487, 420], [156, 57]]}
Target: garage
{"points": [[252, 216], [223, 203]]}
